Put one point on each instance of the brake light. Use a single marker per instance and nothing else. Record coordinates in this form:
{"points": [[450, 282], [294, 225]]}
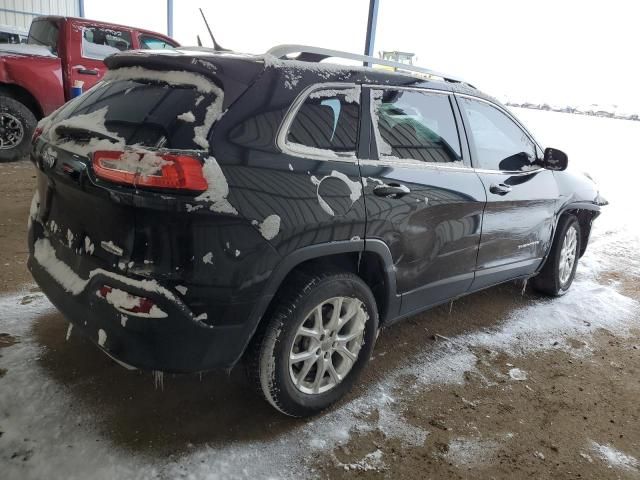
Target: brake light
{"points": [[151, 170], [36, 134]]}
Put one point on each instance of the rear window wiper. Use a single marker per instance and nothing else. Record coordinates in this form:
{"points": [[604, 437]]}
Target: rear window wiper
{"points": [[65, 133]]}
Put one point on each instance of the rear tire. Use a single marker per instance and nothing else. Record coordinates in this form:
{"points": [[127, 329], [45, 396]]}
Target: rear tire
{"points": [[559, 270], [300, 388], [17, 124]]}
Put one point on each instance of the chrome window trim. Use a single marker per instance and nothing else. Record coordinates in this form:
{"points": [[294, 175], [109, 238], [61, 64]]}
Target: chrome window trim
{"points": [[289, 149], [505, 111], [508, 172], [283, 130], [406, 162], [417, 89], [517, 122]]}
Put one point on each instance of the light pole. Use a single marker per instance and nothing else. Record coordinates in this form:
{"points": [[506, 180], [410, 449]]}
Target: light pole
{"points": [[170, 18], [372, 21]]}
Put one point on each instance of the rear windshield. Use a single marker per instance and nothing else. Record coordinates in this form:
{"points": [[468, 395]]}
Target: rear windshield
{"points": [[142, 112]]}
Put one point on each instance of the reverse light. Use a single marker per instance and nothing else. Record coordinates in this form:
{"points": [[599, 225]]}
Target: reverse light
{"points": [[150, 169]]}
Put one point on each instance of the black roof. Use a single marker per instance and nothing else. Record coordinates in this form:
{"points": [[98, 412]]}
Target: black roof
{"points": [[225, 67]]}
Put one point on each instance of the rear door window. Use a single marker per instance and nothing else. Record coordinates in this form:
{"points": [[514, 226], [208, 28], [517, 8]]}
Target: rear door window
{"points": [[100, 42], [141, 112], [327, 123], [414, 125]]}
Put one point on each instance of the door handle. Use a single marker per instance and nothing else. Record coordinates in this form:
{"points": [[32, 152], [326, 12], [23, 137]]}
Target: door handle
{"points": [[500, 189], [392, 190], [87, 71]]}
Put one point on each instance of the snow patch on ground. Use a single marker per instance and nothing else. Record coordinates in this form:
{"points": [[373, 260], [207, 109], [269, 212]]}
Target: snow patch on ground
{"points": [[615, 458], [370, 462], [468, 452], [517, 374]]}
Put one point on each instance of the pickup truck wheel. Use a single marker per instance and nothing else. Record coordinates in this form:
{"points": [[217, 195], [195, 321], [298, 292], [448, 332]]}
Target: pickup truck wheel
{"points": [[559, 270], [315, 344], [17, 123]]}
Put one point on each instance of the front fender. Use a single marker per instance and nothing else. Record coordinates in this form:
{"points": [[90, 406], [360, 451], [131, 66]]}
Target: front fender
{"points": [[37, 77]]}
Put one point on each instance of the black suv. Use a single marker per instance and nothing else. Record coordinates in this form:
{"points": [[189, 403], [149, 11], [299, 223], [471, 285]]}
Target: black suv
{"points": [[196, 208]]}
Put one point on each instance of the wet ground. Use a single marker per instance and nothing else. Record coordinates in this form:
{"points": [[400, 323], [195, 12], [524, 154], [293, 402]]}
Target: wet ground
{"points": [[501, 384]]}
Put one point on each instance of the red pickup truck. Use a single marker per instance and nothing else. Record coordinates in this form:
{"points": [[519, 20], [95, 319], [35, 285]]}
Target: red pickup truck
{"points": [[37, 78]]}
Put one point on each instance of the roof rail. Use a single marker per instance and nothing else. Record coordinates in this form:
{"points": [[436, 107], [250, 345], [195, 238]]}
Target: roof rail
{"points": [[317, 54]]}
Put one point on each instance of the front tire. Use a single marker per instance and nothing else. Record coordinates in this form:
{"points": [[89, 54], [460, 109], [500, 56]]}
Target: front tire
{"points": [[17, 124], [315, 344], [559, 270]]}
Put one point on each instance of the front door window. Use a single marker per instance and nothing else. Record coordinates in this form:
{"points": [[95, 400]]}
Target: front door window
{"points": [[500, 144]]}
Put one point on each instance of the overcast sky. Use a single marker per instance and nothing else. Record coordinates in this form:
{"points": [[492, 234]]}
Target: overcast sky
{"points": [[556, 51]]}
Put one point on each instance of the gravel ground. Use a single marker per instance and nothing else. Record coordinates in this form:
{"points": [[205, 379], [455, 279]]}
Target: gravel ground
{"points": [[501, 384]]}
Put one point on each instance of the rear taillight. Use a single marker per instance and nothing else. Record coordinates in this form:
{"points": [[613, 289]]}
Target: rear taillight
{"points": [[36, 134], [151, 170]]}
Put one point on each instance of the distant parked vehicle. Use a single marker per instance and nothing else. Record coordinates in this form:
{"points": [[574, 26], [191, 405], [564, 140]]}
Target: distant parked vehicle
{"points": [[202, 207], [12, 35], [37, 78]]}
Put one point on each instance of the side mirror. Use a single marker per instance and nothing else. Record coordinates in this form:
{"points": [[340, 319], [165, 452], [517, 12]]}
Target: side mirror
{"points": [[555, 159]]}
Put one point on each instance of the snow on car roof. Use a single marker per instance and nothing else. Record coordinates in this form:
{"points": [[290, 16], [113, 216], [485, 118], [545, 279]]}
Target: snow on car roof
{"points": [[13, 29]]}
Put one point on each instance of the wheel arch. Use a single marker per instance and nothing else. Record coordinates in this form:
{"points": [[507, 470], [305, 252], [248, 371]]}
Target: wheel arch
{"points": [[586, 213], [23, 96], [369, 259]]}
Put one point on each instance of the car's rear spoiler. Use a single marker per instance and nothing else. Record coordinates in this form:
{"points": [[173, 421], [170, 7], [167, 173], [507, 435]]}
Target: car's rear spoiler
{"points": [[233, 73]]}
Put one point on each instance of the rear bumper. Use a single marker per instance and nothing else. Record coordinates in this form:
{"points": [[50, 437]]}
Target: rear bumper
{"points": [[176, 343]]}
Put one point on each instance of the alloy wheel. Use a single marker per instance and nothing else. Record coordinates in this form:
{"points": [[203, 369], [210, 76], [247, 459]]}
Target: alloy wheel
{"points": [[568, 254], [11, 131], [327, 344]]}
